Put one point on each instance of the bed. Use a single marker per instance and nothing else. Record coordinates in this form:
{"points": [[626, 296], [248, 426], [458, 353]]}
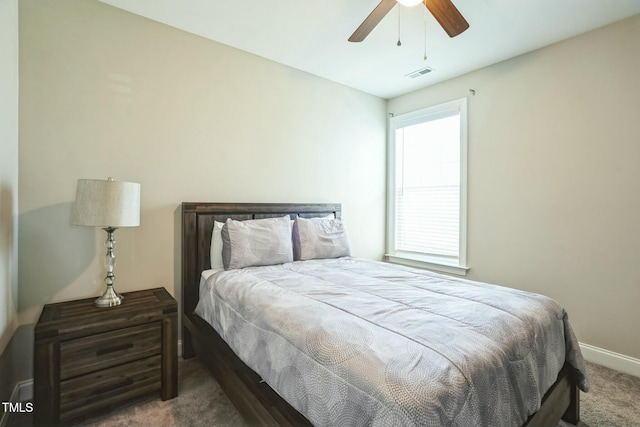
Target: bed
{"points": [[256, 400]]}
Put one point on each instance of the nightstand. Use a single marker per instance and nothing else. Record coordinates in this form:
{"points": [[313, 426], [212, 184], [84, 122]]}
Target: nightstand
{"points": [[87, 359]]}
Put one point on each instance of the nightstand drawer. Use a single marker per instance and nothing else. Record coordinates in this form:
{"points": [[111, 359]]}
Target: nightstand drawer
{"points": [[88, 393], [88, 354]]}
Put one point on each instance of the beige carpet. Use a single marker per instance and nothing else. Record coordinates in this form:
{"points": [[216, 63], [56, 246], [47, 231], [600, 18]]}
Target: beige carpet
{"points": [[200, 402], [614, 399], [613, 402]]}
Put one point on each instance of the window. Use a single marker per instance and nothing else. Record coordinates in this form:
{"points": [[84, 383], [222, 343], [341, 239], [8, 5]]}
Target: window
{"points": [[427, 188]]}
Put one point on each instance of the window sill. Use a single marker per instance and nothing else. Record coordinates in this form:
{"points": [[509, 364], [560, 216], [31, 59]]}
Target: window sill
{"points": [[429, 263]]}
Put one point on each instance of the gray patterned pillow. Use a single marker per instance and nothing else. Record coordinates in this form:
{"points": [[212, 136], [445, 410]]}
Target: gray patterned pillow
{"points": [[256, 242], [317, 238]]}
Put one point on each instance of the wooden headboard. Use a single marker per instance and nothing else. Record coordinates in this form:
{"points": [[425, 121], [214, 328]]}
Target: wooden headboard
{"points": [[197, 225]]}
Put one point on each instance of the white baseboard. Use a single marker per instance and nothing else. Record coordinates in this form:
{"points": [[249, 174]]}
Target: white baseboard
{"points": [[21, 392], [619, 362], [25, 391]]}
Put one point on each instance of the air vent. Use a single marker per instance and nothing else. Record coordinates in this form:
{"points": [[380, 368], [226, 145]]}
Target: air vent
{"points": [[420, 72]]}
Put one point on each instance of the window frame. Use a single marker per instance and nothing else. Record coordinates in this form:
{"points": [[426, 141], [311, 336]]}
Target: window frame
{"points": [[451, 265]]}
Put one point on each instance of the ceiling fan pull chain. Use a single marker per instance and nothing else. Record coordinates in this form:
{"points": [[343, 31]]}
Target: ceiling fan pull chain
{"points": [[425, 35], [399, 42]]}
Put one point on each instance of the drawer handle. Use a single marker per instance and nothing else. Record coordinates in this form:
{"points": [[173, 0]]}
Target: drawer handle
{"points": [[124, 383], [104, 351]]}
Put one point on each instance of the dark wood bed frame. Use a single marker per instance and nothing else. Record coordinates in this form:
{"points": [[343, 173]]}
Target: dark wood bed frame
{"points": [[254, 399]]}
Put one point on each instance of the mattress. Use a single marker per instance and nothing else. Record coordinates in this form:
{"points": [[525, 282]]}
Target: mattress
{"points": [[353, 342]]}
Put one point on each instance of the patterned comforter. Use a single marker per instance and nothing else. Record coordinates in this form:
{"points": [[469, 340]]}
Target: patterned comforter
{"points": [[353, 342]]}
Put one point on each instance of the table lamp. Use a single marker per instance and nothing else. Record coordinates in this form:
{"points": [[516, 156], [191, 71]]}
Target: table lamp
{"points": [[108, 204]]}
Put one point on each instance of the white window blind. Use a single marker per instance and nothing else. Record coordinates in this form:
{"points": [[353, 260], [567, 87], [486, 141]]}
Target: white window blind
{"points": [[427, 203]]}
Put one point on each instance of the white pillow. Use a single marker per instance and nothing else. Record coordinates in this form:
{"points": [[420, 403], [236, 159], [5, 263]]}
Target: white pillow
{"points": [[317, 238], [215, 252], [256, 242]]}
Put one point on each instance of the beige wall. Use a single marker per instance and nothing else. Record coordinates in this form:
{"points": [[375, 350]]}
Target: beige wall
{"points": [[553, 146], [554, 182], [108, 93], [8, 170]]}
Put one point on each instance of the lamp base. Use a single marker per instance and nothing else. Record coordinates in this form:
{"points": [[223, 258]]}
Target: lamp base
{"points": [[109, 298]]}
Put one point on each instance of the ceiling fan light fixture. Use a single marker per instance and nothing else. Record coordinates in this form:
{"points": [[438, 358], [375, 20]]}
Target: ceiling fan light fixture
{"points": [[444, 11], [409, 3]]}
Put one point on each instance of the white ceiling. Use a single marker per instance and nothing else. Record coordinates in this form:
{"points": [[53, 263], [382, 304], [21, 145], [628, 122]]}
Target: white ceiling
{"points": [[312, 35]]}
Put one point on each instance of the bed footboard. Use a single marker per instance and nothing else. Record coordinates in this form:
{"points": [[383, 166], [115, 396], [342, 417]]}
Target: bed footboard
{"points": [[561, 402]]}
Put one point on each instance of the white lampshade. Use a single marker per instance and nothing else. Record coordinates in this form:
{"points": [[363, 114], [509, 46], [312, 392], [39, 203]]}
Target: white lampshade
{"points": [[410, 2], [107, 203]]}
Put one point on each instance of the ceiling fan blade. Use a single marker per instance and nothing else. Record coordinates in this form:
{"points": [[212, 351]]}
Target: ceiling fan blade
{"points": [[372, 20], [448, 16]]}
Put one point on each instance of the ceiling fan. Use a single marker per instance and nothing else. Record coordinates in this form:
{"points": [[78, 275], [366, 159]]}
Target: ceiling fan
{"points": [[444, 11]]}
